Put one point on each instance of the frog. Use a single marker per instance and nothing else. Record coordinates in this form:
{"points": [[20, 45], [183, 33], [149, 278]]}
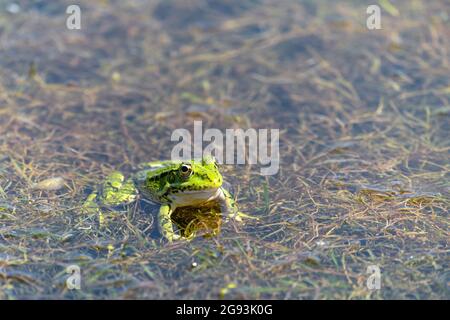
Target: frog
{"points": [[171, 184]]}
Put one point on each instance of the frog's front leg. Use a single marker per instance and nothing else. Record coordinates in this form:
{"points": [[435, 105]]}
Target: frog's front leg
{"points": [[228, 205], [230, 208], [165, 223]]}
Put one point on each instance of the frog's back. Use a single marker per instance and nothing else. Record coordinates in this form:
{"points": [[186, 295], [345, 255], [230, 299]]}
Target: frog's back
{"points": [[148, 179]]}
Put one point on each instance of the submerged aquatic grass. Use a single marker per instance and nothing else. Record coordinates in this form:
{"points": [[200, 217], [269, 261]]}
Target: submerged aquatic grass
{"points": [[364, 145]]}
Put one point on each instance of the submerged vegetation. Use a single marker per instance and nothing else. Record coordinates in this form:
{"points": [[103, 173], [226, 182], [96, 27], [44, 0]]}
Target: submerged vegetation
{"points": [[364, 119]]}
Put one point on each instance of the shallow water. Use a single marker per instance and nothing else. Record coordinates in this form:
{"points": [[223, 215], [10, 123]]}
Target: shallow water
{"points": [[364, 119]]}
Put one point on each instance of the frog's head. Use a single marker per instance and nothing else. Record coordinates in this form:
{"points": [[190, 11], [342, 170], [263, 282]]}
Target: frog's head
{"points": [[197, 175], [186, 183]]}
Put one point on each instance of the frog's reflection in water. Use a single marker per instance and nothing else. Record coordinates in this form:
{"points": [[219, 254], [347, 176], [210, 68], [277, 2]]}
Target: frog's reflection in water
{"points": [[203, 221]]}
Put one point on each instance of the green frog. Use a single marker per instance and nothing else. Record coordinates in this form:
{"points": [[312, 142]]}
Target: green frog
{"points": [[171, 184]]}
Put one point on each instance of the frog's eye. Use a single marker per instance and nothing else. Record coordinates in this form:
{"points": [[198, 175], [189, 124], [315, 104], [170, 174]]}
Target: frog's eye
{"points": [[186, 170]]}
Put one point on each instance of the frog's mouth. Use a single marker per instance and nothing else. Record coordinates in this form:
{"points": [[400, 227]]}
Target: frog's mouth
{"points": [[194, 197]]}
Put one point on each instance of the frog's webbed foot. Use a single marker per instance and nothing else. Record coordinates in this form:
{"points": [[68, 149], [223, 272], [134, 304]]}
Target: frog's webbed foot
{"points": [[165, 223], [90, 205], [229, 207]]}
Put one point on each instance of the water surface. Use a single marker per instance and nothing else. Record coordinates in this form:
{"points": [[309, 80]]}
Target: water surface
{"points": [[364, 145]]}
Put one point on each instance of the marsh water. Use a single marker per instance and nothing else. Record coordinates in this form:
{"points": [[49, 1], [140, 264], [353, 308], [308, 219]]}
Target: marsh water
{"points": [[364, 120]]}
